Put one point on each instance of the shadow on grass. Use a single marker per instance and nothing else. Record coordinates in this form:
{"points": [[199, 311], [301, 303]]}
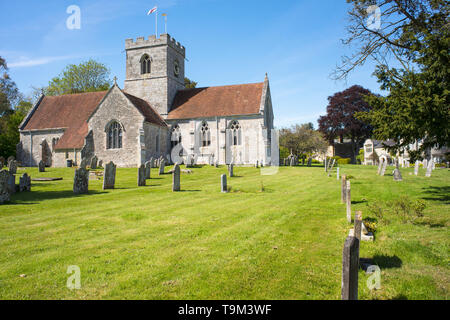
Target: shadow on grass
{"points": [[357, 202], [48, 195], [438, 194], [387, 262]]}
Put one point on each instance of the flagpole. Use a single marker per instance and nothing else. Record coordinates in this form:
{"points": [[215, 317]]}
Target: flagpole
{"points": [[156, 22]]}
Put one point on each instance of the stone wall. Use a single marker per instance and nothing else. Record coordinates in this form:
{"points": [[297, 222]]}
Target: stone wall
{"points": [[31, 146]]}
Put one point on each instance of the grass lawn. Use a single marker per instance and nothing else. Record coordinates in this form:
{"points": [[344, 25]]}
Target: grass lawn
{"points": [[272, 237]]}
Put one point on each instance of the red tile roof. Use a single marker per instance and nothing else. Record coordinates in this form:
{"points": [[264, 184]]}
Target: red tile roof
{"points": [[217, 101], [149, 113], [67, 111]]}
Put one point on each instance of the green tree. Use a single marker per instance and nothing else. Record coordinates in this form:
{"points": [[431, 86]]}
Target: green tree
{"points": [[302, 139], [88, 76], [415, 34], [189, 84], [9, 133], [9, 94]]}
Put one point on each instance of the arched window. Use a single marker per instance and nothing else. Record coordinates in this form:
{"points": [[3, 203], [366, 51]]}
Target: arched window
{"points": [[205, 135], [114, 136], [235, 133], [145, 64], [54, 142], [175, 135]]}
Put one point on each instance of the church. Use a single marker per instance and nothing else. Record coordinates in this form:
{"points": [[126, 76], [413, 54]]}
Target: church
{"points": [[153, 116]]}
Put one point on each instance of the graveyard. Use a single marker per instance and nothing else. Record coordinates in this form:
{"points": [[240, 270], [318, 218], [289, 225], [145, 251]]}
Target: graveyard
{"points": [[275, 236]]}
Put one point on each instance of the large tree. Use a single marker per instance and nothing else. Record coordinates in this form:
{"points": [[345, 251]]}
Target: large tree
{"points": [[415, 35], [9, 94], [302, 139], [340, 120], [88, 76]]}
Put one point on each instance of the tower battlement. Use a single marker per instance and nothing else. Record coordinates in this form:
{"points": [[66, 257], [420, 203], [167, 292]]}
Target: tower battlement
{"points": [[152, 41]]}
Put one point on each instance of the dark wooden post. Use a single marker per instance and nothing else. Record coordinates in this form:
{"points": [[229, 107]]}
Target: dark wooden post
{"points": [[348, 201], [350, 265]]}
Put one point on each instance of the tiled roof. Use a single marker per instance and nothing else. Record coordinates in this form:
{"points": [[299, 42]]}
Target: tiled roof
{"points": [[67, 111], [217, 101], [149, 113]]}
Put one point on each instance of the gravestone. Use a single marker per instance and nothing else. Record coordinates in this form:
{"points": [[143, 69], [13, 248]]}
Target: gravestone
{"points": [[94, 162], [331, 167], [429, 168], [292, 161], [223, 183], [216, 164], [83, 163], [309, 162], [325, 164], [383, 168], [256, 164], [41, 166], [396, 173], [380, 165], [425, 163], [141, 176], [348, 201], [433, 167], [152, 165], [176, 178], [148, 166], [350, 266], [109, 176], [230, 170], [337, 173], [100, 163], [12, 166], [25, 183], [4, 190], [416, 168], [81, 181], [343, 188], [358, 225], [161, 166], [10, 158]]}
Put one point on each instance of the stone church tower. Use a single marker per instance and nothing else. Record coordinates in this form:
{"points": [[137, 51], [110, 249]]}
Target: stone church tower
{"points": [[155, 70]]}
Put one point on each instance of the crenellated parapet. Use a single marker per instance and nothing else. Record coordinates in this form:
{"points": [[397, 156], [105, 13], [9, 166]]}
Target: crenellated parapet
{"points": [[153, 41]]}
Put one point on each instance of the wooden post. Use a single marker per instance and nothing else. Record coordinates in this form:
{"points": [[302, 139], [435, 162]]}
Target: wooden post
{"points": [[350, 265], [343, 188], [348, 201]]}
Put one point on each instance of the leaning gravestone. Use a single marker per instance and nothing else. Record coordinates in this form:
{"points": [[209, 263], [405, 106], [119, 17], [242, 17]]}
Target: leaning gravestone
{"points": [[41, 166], [109, 176], [416, 168], [81, 181], [383, 169], [161, 166], [429, 168], [12, 166], [230, 170], [176, 178], [94, 162], [25, 183], [4, 190], [141, 176], [223, 183], [148, 167]]}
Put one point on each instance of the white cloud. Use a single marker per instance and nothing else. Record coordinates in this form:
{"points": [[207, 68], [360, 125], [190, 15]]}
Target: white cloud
{"points": [[23, 62]]}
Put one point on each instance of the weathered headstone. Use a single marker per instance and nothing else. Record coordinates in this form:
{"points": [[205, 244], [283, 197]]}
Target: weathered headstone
{"points": [[309, 162], [11, 183], [433, 167], [292, 161], [100, 163], [350, 266], [380, 165], [223, 183], [12, 166], [425, 163], [230, 170], [162, 164], [41, 166], [343, 188], [94, 162], [256, 164], [348, 201], [383, 168], [148, 167], [396, 173], [141, 176], [109, 176], [325, 163], [25, 183], [5, 195], [429, 168], [337, 173], [358, 224], [176, 178], [152, 162], [331, 167], [81, 181]]}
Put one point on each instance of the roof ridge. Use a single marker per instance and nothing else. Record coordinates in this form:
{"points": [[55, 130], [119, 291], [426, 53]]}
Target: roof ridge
{"points": [[224, 86]]}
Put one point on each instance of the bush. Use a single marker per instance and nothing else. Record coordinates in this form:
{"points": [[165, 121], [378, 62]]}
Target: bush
{"points": [[344, 161], [404, 208]]}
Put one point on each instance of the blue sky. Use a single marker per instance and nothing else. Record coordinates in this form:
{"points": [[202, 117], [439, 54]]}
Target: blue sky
{"points": [[227, 42]]}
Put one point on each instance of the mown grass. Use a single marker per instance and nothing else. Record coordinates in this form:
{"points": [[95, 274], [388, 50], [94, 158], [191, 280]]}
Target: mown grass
{"points": [[271, 237]]}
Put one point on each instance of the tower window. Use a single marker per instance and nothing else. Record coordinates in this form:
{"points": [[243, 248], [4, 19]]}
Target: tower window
{"points": [[145, 64], [205, 135], [114, 136]]}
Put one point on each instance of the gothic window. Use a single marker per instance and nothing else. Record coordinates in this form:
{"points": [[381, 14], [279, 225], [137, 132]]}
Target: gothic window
{"points": [[145, 64], [235, 129], [114, 136], [205, 135], [175, 136]]}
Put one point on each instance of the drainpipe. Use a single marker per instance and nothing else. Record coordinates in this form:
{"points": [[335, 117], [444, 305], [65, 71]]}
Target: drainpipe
{"points": [[31, 149]]}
